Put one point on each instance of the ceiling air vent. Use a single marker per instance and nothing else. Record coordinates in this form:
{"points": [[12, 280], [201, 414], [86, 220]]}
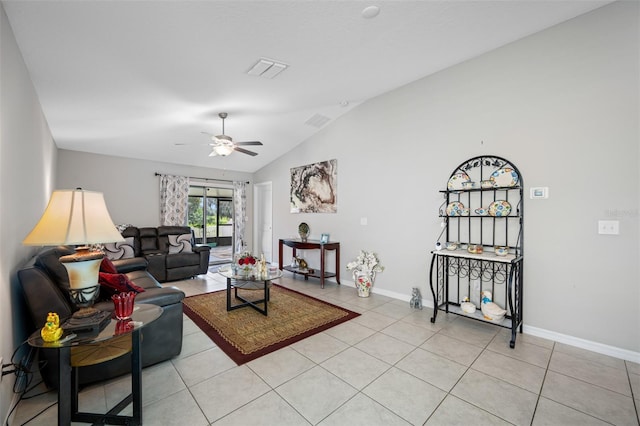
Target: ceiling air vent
{"points": [[267, 68], [317, 120]]}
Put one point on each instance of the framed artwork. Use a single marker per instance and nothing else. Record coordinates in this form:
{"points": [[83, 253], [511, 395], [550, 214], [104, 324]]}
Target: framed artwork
{"points": [[314, 188], [324, 238]]}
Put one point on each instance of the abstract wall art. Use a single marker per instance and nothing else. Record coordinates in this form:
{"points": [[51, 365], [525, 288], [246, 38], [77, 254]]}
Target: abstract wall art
{"points": [[314, 188]]}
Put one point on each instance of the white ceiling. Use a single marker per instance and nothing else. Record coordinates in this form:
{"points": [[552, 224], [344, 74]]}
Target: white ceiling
{"points": [[138, 78]]}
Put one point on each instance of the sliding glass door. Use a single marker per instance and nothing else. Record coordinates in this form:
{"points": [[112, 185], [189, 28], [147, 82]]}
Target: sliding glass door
{"points": [[211, 215]]}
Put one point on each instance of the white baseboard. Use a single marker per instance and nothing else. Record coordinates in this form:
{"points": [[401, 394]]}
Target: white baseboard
{"points": [[539, 332]]}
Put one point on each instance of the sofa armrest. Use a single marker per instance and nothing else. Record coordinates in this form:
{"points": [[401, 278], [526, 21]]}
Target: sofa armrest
{"points": [[131, 264], [199, 248]]}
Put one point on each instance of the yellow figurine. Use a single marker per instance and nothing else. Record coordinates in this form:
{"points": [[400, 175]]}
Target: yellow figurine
{"points": [[51, 330]]}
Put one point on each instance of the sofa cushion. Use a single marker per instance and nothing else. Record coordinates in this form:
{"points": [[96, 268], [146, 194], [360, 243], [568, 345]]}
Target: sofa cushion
{"points": [[180, 260], [180, 243], [116, 283], [120, 250]]}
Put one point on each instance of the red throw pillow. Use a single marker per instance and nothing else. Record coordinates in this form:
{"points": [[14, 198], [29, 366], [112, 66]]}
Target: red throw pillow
{"points": [[108, 266], [116, 283]]}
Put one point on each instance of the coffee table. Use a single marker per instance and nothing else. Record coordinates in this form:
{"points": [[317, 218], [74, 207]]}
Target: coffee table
{"points": [[252, 282], [116, 339]]}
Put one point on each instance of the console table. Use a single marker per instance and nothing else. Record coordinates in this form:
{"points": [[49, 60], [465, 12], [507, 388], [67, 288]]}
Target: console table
{"points": [[116, 339], [297, 244]]}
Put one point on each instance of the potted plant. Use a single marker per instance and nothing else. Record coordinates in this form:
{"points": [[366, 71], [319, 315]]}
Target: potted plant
{"points": [[364, 270]]}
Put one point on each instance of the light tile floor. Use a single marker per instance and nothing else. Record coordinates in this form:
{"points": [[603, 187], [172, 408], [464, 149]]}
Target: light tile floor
{"points": [[390, 366]]}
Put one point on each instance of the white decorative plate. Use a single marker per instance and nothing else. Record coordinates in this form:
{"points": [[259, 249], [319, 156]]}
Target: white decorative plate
{"points": [[455, 209], [499, 208], [504, 177], [455, 181]]}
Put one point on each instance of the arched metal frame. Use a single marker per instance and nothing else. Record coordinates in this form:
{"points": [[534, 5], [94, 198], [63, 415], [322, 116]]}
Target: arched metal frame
{"points": [[457, 274]]}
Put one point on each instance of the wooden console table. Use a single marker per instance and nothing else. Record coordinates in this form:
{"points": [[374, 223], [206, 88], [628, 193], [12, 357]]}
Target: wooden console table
{"points": [[297, 244]]}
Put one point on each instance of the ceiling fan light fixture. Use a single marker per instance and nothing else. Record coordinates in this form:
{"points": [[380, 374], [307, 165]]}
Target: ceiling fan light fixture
{"points": [[223, 150]]}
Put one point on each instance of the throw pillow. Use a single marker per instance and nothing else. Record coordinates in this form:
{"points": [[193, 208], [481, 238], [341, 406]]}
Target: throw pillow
{"points": [[116, 283], [108, 266], [180, 243], [120, 250]]}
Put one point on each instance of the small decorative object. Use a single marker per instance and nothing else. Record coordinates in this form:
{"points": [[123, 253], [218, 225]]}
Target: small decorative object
{"points": [[438, 246], [303, 230], [302, 264], [246, 264], [123, 304], [416, 298], [501, 250], [499, 208], [468, 184], [456, 181], [324, 239], [365, 268], [505, 177], [481, 211], [475, 249], [455, 209], [486, 184], [467, 307], [465, 211], [490, 310], [51, 331], [263, 266], [452, 246]]}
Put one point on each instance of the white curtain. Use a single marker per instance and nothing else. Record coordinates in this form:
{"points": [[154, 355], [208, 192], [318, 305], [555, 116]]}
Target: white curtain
{"points": [[174, 198], [239, 216]]}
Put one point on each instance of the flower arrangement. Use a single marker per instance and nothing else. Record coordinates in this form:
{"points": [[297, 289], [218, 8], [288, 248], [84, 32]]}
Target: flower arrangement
{"points": [[364, 270], [247, 260]]}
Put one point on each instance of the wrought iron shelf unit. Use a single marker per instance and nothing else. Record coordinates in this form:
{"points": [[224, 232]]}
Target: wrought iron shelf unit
{"points": [[458, 274]]}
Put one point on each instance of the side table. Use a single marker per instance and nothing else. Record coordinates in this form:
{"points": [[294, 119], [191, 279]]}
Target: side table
{"points": [[297, 244], [92, 348]]}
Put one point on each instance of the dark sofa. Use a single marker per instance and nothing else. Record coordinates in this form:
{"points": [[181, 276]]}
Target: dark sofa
{"points": [[170, 250], [44, 279]]}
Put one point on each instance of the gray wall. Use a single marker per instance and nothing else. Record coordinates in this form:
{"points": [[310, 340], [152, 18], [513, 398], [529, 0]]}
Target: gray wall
{"points": [[131, 189], [27, 170], [563, 106]]}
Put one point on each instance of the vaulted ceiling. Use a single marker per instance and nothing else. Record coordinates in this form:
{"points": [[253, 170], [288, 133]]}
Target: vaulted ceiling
{"points": [[143, 79]]}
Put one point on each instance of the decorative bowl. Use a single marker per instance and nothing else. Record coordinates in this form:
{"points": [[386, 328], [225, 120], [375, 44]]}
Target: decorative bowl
{"points": [[452, 246], [475, 248], [481, 211], [468, 184], [486, 184], [468, 307], [501, 250]]}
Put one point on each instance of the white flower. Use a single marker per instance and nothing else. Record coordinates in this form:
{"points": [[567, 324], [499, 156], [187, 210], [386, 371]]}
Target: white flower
{"points": [[365, 262]]}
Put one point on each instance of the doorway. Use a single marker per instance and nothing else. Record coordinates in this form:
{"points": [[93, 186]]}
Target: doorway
{"points": [[263, 220], [210, 215]]}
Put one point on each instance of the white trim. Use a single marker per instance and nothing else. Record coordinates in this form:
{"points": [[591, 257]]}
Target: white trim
{"points": [[589, 345]]}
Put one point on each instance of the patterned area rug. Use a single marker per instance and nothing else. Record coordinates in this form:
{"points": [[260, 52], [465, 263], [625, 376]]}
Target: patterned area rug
{"points": [[245, 334]]}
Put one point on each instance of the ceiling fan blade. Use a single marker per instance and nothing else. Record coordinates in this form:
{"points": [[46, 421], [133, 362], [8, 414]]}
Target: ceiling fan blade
{"points": [[213, 154], [248, 143], [245, 151]]}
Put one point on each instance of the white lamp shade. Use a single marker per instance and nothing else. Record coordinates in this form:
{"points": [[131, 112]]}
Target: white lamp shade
{"points": [[74, 217]]}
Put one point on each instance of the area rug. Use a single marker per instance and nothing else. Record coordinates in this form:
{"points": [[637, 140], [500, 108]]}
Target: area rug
{"points": [[245, 334]]}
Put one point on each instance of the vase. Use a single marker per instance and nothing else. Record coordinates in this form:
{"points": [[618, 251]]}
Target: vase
{"points": [[364, 282]]}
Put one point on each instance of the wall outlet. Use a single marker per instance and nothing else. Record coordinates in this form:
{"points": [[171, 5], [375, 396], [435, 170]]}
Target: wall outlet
{"points": [[608, 227]]}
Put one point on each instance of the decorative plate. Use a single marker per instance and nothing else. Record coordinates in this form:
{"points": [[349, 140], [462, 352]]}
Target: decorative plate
{"points": [[504, 177], [455, 181], [455, 209], [499, 208]]}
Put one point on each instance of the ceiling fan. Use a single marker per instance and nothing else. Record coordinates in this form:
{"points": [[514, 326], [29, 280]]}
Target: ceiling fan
{"points": [[224, 145]]}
